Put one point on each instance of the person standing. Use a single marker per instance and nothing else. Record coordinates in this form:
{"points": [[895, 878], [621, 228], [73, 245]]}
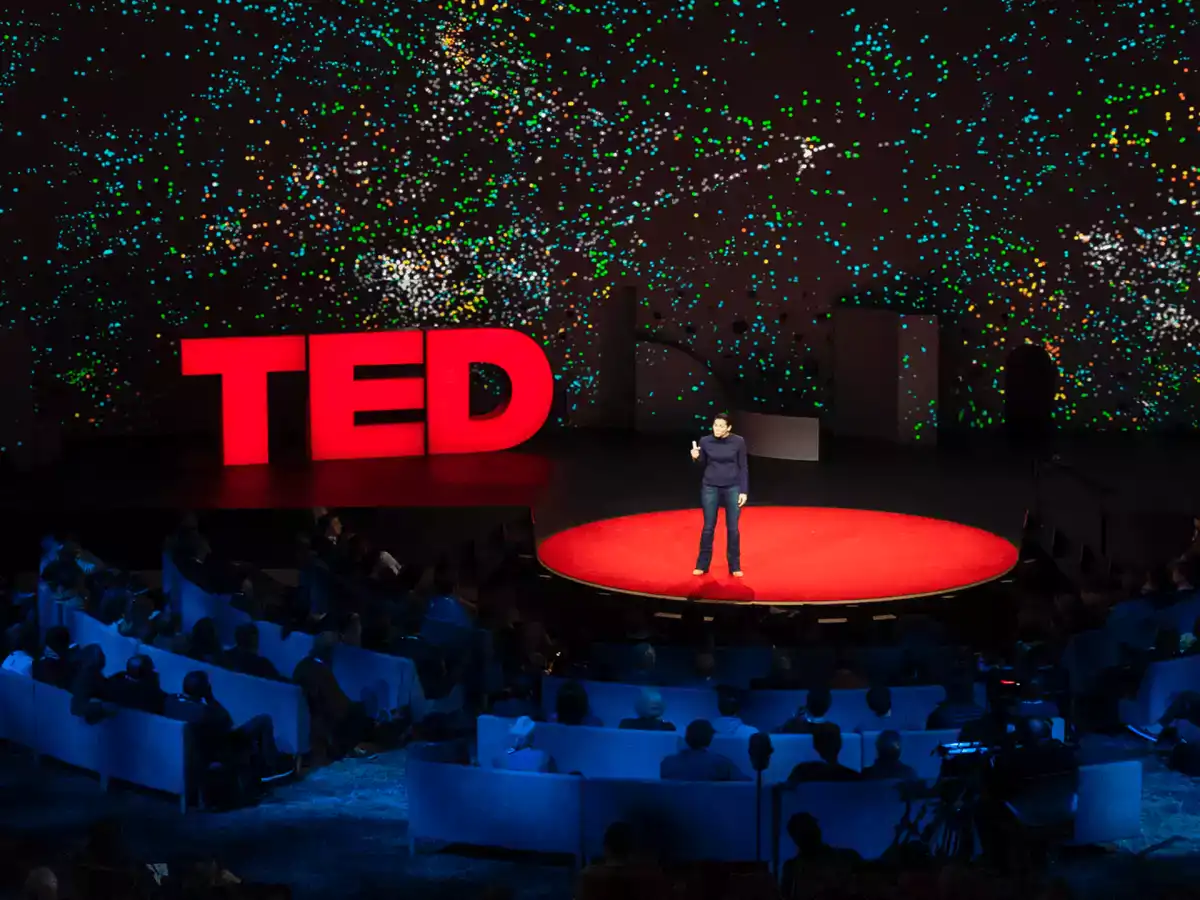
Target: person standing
{"points": [[725, 485]]}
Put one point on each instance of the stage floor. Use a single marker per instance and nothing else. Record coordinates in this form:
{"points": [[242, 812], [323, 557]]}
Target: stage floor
{"points": [[790, 555]]}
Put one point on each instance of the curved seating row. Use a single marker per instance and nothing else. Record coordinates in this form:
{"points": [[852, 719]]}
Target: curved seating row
{"points": [[740, 666], [381, 682], [766, 710], [618, 753], [38, 716], [565, 814], [243, 695]]}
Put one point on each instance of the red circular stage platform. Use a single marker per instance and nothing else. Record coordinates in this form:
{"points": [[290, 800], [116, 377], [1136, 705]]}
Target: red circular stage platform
{"points": [[790, 555]]}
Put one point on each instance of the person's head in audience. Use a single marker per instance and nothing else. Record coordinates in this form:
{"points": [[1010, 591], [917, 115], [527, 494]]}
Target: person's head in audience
{"points": [[729, 702], [699, 734], [444, 584], [1033, 730], [887, 746], [246, 638], [196, 686], [706, 665], [805, 832], [827, 744], [204, 643], [650, 705], [1154, 582], [323, 647], [618, 843], [817, 704], [140, 667], [137, 621], [644, 659], [520, 736], [91, 659], [879, 700], [571, 706], [41, 884], [58, 642]]}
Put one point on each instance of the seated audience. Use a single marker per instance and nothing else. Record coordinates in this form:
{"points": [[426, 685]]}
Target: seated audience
{"points": [[1032, 702], [251, 744], [644, 661], [204, 645], [958, 709], [41, 884], [729, 722], [1182, 575], [25, 651], [782, 677], [88, 687], [695, 762], [705, 666], [521, 755], [879, 701], [332, 545], [446, 605], [650, 709], [571, 706], [339, 724], [138, 619], [846, 676], [619, 876], [137, 687], [517, 701], [816, 866], [57, 664], [243, 656], [887, 760], [827, 742], [811, 716]]}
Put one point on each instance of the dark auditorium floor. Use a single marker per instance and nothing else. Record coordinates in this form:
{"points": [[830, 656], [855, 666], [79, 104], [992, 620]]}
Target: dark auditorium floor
{"points": [[342, 831]]}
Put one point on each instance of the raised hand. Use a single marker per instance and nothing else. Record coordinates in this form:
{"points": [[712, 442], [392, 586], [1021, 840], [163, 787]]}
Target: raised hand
{"points": [[695, 450]]}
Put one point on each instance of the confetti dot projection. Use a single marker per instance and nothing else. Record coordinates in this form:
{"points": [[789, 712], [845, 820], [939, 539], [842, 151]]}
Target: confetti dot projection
{"points": [[1026, 170]]}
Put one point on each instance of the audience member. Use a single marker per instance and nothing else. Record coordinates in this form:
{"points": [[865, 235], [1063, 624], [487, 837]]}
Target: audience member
{"points": [[705, 667], [650, 709], [879, 701], [56, 665], [518, 700], [811, 716], [446, 605], [137, 687], [204, 645], [619, 876], [958, 709], [827, 742], [42, 884], [88, 687], [1182, 575], [250, 745], [696, 763], [729, 722], [816, 865], [846, 676], [244, 657], [521, 755], [25, 651], [339, 725], [782, 677], [644, 661], [887, 763], [138, 619], [571, 706]]}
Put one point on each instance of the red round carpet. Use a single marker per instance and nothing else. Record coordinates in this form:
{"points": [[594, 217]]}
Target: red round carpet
{"points": [[790, 554]]}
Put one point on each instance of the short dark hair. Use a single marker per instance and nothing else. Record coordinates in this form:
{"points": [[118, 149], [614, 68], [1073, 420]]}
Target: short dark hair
{"points": [[724, 417], [827, 742], [571, 706], [729, 701], [699, 734], [245, 636], [58, 639], [818, 702], [195, 684], [139, 666], [887, 745]]}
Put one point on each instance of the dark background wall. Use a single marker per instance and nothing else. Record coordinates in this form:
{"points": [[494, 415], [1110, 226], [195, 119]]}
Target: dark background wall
{"points": [[1023, 170]]}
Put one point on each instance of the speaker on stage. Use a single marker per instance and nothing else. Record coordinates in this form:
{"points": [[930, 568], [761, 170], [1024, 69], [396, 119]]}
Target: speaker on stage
{"points": [[885, 375]]}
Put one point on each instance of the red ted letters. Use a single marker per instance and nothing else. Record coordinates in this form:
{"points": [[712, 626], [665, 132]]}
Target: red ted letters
{"points": [[335, 395]]}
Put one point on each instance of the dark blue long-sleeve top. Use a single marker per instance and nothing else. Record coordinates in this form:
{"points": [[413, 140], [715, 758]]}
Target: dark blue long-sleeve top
{"points": [[724, 462]]}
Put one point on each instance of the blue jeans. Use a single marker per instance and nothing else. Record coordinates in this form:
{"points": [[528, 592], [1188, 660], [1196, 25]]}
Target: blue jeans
{"points": [[712, 499]]}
